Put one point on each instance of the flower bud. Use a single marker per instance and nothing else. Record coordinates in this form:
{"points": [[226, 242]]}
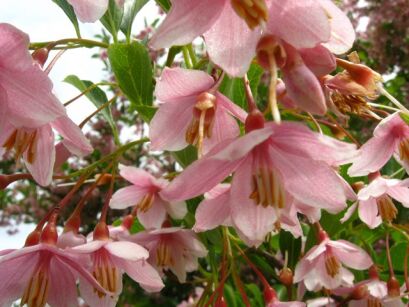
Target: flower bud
{"points": [[128, 220], [393, 287], [49, 234], [254, 121], [286, 277], [269, 295], [40, 56], [33, 238], [101, 231]]}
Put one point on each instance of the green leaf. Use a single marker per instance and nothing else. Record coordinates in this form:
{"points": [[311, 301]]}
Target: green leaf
{"points": [[398, 252], [229, 295], [133, 71], [405, 117], [113, 18], [131, 9], [185, 156], [164, 4], [69, 11], [96, 95], [291, 246], [146, 112], [256, 295], [234, 87]]}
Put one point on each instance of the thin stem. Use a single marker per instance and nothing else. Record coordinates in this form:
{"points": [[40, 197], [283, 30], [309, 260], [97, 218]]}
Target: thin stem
{"points": [[381, 106], [186, 57], [88, 89], [272, 90], [397, 172], [54, 60], [88, 118], [388, 257], [317, 125], [108, 196], [349, 135], [217, 84], [392, 99], [192, 54], [87, 43], [251, 104]]}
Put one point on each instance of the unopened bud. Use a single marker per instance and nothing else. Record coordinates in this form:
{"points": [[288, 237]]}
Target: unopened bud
{"points": [[373, 272], [269, 295], [101, 231], [33, 238], [49, 234], [254, 121], [360, 292], [286, 277], [73, 223], [128, 220], [40, 56], [393, 287]]}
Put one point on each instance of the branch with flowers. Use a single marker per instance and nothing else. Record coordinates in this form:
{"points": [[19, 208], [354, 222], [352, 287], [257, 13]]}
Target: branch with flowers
{"points": [[243, 181]]}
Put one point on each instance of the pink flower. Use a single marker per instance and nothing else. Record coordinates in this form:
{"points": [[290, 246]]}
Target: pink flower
{"points": [[109, 260], [197, 114], [91, 10], [322, 266], [375, 203], [42, 274], [152, 209], [268, 163], [29, 111], [271, 300], [391, 136], [172, 249], [302, 24]]}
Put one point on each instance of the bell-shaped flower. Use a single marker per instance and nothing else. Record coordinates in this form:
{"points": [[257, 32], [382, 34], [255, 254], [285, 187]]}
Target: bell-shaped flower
{"points": [[323, 265], [390, 137], [29, 111], [42, 274], [91, 10], [144, 193], [268, 163], [172, 248], [375, 201], [191, 112], [109, 260]]}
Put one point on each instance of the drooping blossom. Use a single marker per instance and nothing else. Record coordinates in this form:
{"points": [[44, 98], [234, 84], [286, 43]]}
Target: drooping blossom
{"points": [[390, 137], [268, 163], [375, 201], [301, 24], [109, 260], [196, 113], [144, 193], [323, 265], [91, 10], [171, 248], [42, 274], [29, 111]]}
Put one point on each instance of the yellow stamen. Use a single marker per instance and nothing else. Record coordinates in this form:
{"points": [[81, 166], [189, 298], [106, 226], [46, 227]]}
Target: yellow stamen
{"points": [[36, 293], [164, 255], [386, 208], [268, 189], [332, 265], [22, 141], [404, 150], [374, 302], [254, 12], [146, 202]]}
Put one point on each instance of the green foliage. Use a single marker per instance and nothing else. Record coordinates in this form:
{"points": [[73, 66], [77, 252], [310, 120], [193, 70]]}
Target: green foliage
{"points": [[291, 246], [112, 19], [164, 4], [69, 11], [129, 15]]}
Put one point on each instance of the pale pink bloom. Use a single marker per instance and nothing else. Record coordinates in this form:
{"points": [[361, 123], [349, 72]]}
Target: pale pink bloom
{"points": [[188, 104], [375, 203], [70, 239], [109, 261], [268, 164], [29, 111], [91, 10], [303, 24], [144, 193], [172, 248], [322, 302], [42, 274], [390, 137], [323, 265]]}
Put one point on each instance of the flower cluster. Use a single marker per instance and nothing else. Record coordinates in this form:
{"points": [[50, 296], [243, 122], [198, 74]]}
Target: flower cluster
{"points": [[249, 171]]}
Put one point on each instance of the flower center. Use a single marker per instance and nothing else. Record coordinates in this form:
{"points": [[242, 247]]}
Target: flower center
{"points": [[332, 264], [105, 273], [404, 150], [36, 293], [146, 202], [374, 302], [254, 12], [201, 125], [22, 141], [386, 208], [164, 255], [354, 104], [268, 189]]}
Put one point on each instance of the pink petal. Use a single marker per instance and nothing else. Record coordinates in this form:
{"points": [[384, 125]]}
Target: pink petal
{"points": [[177, 210], [342, 31], [127, 250], [311, 182], [351, 255], [6, 129], [144, 274], [138, 177], [155, 216], [238, 41], [368, 213], [301, 269], [63, 285], [43, 165], [61, 156], [127, 197], [88, 247], [319, 60], [15, 273], [91, 297], [373, 155], [89, 10], [349, 212], [376, 188], [231, 107], [176, 115], [401, 194], [70, 239], [14, 48], [254, 221], [177, 83], [214, 211], [186, 20], [303, 24], [74, 139]]}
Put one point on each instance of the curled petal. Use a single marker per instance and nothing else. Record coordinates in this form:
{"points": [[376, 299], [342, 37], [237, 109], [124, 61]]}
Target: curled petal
{"points": [[89, 10]]}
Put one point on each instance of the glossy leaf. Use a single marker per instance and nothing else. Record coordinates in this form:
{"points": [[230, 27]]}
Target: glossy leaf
{"points": [[69, 11], [113, 18], [131, 8]]}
